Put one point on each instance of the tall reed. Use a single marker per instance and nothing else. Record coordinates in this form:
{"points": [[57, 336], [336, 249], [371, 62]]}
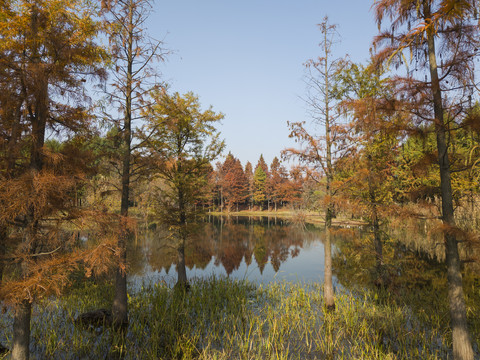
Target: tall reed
{"points": [[220, 318]]}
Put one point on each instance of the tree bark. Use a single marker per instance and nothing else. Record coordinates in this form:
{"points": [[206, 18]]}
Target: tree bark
{"points": [[377, 241], [3, 250], [21, 331], [328, 282], [462, 346], [120, 302], [181, 268]]}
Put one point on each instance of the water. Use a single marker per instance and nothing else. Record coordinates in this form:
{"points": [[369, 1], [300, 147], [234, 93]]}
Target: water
{"points": [[267, 250], [258, 249]]}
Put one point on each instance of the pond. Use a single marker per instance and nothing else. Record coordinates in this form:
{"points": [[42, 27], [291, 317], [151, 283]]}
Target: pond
{"points": [[258, 249], [265, 250], [405, 318]]}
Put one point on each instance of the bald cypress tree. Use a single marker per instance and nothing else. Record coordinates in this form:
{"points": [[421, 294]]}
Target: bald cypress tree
{"points": [[133, 54], [440, 39], [319, 151], [48, 51], [183, 142]]}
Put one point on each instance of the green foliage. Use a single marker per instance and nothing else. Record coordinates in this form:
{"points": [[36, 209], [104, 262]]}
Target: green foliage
{"points": [[366, 173], [416, 173], [259, 185], [181, 141]]}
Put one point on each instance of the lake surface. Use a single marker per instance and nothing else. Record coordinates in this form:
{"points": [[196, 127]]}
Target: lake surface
{"points": [[257, 249]]}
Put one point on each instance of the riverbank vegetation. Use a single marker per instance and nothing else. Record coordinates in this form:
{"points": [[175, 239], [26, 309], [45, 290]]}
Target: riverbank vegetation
{"points": [[227, 319]]}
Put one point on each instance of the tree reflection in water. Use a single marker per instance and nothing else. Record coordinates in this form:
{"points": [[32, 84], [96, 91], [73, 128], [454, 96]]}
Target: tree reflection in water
{"points": [[256, 248], [415, 275]]}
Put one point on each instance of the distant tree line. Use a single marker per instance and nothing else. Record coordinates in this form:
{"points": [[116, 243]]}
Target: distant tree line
{"points": [[236, 188]]}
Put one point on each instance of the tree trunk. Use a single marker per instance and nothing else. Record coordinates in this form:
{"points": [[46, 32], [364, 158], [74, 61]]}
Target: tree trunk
{"points": [[11, 160], [181, 268], [120, 302], [328, 282], [221, 199], [377, 241], [21, 331], [21, 319], [462, 346], [3, 250]]}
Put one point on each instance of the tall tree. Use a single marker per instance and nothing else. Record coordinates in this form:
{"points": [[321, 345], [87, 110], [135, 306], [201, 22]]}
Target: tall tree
{"points": [[234, 182], [267, 191], [376, 130], [182, 143], [293, 191], [320, 152], [49, 49], [259, 185], [249, 176], [133, 54], [428, 30], [278, 181]]}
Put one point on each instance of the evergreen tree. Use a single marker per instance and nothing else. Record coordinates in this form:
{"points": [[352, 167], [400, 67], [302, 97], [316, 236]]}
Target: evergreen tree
{"points": [[249, 177], [259, 186]]}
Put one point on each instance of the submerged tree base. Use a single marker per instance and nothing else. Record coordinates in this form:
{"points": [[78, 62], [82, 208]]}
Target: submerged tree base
{"points": [[226, 319]]}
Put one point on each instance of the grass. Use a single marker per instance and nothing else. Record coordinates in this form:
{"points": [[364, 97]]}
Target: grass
{"points": [[221, 318]]}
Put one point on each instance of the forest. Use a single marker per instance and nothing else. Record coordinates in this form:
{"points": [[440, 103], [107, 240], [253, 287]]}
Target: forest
{"points": [[96, 149]]}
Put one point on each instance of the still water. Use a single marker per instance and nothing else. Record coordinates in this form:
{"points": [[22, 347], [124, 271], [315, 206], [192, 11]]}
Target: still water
{"points": [[257, 249]]}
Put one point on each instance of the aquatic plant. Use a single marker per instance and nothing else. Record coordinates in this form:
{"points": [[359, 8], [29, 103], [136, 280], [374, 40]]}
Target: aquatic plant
{"points": [[220, 318]]}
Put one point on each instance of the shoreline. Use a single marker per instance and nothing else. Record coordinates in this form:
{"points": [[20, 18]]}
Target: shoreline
{"points": [[309, 217]]}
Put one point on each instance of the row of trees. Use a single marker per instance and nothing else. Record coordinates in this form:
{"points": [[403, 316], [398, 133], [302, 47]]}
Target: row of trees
{"points": [[404, 126], [266, 188]]}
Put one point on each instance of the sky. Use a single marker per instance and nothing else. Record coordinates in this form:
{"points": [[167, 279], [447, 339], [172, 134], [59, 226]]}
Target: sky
{"points": [[245, 59]]}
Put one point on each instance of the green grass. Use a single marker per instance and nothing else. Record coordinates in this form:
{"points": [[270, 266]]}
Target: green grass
{"points": [[227, 319]]}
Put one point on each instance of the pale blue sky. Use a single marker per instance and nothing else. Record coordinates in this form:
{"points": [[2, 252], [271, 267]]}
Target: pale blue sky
{"points": [[245, 58]]}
